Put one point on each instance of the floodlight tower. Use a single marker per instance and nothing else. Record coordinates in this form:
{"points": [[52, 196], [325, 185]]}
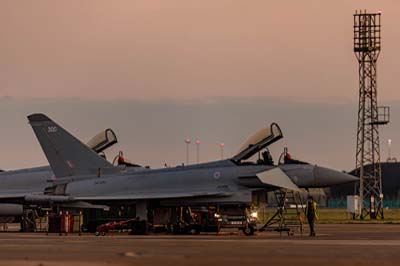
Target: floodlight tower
{"points": [[367, 46]]}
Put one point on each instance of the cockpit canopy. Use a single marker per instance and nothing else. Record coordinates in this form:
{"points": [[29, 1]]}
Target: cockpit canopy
{"points": [[260, 140], [103, 140]]}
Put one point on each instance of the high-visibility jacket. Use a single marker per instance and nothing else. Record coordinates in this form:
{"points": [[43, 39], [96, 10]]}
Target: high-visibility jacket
{"points": [[311, 210]]}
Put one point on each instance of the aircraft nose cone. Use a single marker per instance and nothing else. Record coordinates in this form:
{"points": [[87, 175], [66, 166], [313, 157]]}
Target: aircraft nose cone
{"points": [[325, 177]]}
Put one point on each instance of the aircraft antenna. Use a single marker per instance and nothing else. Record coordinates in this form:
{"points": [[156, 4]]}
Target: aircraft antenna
{"points": [[367, 46]]}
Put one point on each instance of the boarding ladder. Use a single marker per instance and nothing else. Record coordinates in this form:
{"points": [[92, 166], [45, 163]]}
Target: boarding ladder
{"points": [[288, 215]]}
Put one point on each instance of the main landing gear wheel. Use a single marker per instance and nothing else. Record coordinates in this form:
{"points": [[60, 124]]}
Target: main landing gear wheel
{"points": [[100, 233], [139, 228], [248, 230]]}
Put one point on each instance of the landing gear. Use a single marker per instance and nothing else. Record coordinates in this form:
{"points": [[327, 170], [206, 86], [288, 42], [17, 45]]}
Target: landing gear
{"points": [[139, 228], [100, 233], [248, 230], [184, 220], [28, 220]]}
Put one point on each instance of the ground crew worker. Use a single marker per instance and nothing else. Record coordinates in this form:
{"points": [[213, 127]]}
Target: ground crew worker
{"points": [[121, 159], [287, 158], [311, 214]]}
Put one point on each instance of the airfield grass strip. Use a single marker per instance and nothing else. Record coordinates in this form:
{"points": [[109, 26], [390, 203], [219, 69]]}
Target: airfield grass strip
{"points": [[339, 216]]}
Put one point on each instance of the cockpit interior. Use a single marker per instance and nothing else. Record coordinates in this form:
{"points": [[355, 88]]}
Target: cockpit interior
{"points": [[256, 146]]}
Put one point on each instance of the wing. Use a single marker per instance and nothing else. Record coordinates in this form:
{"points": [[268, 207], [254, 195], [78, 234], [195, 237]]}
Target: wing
{"points": [[158, 195], [84, 202], [10, 197]]}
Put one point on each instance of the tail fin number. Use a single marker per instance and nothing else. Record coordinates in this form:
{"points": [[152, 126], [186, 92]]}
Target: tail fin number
{"points": [[51, 129]]}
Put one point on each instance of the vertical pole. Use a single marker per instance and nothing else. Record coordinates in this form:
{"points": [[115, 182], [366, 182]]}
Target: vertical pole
{"points": [[187, 141], [47, 223], [80, 223], [66, 222], [222, 145], [187, 153], [61, 223], [197, 150]]}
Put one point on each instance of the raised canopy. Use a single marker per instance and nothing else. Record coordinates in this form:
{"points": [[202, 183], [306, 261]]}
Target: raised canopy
{"points": [[103, 140], [260, 140]]}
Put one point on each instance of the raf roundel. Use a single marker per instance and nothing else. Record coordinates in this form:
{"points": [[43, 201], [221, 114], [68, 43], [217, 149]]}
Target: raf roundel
{"points": [[217, 175]]}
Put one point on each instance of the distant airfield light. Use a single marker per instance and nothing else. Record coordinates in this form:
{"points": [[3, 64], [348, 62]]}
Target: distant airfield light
{"points": [[390, 159]]}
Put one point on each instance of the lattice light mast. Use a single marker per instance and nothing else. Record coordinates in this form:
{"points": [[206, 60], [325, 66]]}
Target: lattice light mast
{"points": [[367, 46]]}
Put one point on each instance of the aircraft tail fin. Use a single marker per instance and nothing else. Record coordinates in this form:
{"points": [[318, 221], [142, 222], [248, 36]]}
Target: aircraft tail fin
{"points": [[67, 155]]}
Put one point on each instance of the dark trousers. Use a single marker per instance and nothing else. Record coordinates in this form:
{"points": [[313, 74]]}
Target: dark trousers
{"points": [[311, 223]]}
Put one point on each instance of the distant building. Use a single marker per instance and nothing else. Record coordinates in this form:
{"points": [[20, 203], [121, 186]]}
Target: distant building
{"points": [[390, 184]]}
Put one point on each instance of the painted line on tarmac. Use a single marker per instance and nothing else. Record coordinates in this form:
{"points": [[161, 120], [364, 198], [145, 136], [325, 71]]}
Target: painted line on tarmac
{"points": [[313, 242], [61, 240], [336, 242]]}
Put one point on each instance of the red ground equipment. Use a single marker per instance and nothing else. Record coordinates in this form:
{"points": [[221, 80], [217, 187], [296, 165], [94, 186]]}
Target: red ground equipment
{"points": [[105, 228]]}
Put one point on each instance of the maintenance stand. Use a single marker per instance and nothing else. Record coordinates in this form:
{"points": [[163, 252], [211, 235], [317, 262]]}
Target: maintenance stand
{"points": [[287, 217]]}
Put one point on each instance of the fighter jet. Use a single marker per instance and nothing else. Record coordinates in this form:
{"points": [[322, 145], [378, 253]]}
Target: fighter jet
{"points": [[85, 179], [35, 180]]}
